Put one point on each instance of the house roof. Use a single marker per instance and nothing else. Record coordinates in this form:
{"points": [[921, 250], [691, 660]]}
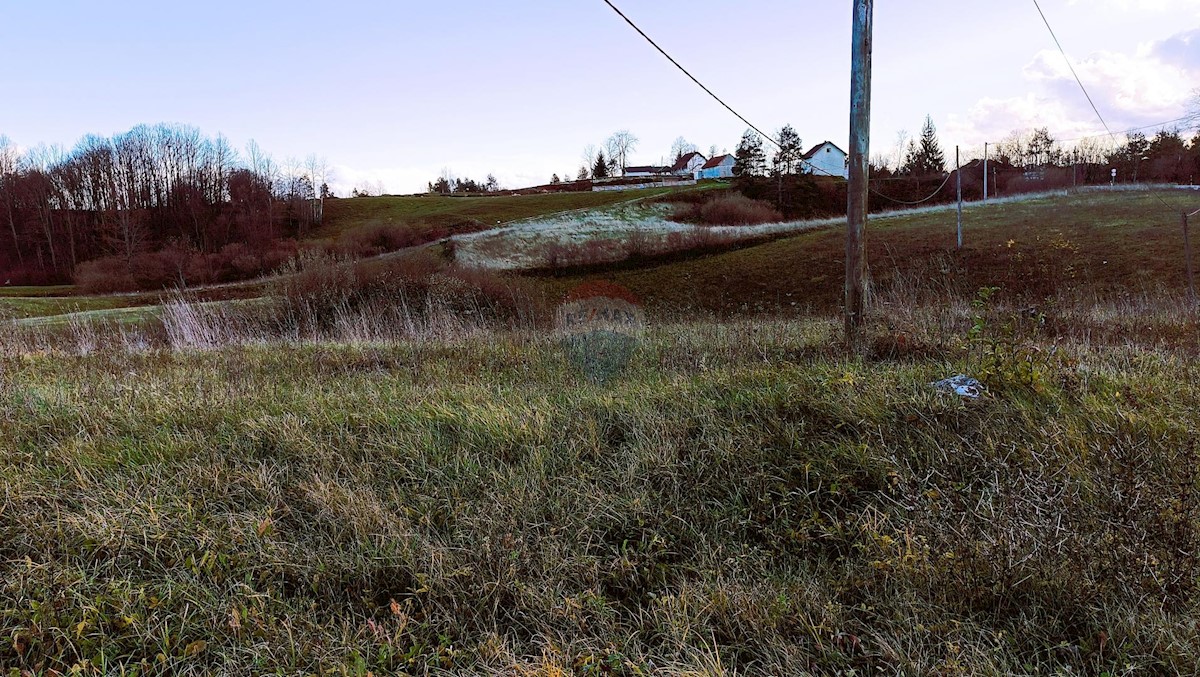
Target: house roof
{"points": [[716, 161], [646, 169], [682, 163], [818, 147]]}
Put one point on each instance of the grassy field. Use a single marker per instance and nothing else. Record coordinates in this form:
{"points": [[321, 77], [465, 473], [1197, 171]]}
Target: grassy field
{"points": [[462, 212], [59, 290], [746, 498], [417, 481], [26, 307], [1105, 245]]}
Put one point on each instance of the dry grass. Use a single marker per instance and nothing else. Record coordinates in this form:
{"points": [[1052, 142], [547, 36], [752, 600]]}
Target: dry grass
{"points": [[398, 471], [748, 498]]}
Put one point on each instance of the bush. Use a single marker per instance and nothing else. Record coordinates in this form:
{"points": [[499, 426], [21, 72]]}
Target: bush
{"points": [[728, 209], [738, 210], [318, 294], [375, 239], [104, 276]]}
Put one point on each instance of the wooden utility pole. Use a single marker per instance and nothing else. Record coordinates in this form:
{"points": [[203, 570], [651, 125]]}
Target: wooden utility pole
{"points": [[860, 149], [985, 177], [1187, 255], [958, 175]]}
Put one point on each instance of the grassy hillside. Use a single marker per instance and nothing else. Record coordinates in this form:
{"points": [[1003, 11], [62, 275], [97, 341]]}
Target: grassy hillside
{"points": [[745, 499], [1093, 244], [462, 212]]}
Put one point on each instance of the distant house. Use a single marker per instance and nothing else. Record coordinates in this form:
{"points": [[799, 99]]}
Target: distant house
{"points": [[687, 165], [648, 170], [720, 167], [826, 159]]}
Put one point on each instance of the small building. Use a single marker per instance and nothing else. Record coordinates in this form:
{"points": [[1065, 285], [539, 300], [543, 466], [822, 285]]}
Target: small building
{"points": [[719, 167], [826, 159], [647, 170]]}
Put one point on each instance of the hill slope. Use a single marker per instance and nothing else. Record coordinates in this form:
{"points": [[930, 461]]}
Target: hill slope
{"points": [[1095, 243]]}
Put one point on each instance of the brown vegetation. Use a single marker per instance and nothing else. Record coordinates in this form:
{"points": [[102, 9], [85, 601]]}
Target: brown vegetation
{"points": [[727, 209]]}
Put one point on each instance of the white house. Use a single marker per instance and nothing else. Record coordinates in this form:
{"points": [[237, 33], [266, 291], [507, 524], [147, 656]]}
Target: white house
{"points": [[826, 159], [720, 167], [687, 165]]}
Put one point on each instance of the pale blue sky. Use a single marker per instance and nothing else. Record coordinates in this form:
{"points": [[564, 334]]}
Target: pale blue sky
{"points": [[395, 91]]}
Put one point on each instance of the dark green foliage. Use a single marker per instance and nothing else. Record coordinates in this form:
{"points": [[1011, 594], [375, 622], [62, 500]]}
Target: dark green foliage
{"points": [[750, 160], [600, 167], [925, 157]]}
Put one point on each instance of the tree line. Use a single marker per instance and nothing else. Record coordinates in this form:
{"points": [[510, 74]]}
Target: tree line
{"points": [[155, 205], [447, 184]]}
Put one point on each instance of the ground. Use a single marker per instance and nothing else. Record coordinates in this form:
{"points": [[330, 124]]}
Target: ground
{"points": [[429, 486]]}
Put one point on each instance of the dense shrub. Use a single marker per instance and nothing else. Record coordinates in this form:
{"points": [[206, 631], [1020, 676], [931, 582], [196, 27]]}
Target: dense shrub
{"points": [[318, 292], [380, 238], [175, 267], [727, 209]]}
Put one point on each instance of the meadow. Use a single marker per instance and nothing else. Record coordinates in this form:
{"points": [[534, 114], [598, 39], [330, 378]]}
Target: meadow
{"points": [[400, 472]]}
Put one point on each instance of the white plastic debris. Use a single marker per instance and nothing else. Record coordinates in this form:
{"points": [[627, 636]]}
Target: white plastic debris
{"points": [[961, 385]]}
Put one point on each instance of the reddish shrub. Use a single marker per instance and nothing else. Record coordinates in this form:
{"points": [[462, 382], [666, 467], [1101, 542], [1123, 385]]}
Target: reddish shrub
{"points": [[737, 210], [374, 239], [104, 276]]}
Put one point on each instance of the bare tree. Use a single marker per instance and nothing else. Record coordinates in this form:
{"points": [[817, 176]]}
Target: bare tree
{"points": [[619, 146], [681, 147], [317, 169], [10, 160], [901, 140], [589, 155]]}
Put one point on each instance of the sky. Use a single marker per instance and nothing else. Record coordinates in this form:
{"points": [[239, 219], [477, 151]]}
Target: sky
{"points": [[394, 92]]}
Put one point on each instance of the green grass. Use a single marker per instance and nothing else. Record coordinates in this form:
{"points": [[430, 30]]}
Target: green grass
{"points": [[745, 499], [57, 290], [19, 308]]}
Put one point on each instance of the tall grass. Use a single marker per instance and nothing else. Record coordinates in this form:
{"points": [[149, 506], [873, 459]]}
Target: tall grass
{"points": [[429, 492]]}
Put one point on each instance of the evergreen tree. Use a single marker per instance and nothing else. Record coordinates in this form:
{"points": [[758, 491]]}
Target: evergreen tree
{"points": [[600, 169], [787, 159], [1041, 147], [749, 159], [925, 157], [554, 180]]}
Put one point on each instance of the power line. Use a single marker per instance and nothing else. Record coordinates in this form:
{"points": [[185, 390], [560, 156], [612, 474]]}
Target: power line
{"points": [[1085, 92], [1072, 67], [1131, 129], [692, 77]]}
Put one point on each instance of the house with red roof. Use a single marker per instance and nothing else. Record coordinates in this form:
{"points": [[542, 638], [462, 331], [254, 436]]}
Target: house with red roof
{"points": [[687, 165], [719, 167]]}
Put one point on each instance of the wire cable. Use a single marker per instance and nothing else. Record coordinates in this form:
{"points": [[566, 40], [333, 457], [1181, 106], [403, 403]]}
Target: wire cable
{"points": [[1085, 92], [922, 201], [1072, 67], [685, 72], [1131, 129]]}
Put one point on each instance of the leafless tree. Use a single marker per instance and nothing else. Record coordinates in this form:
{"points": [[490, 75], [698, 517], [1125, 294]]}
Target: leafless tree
{"points": [[619, 146], [681, 147], [317, 169]]}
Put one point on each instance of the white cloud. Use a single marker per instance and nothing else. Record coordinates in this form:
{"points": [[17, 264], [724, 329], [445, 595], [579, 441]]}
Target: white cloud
{"points": [[404, 180], [1140, 5], [1152, 85]]}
